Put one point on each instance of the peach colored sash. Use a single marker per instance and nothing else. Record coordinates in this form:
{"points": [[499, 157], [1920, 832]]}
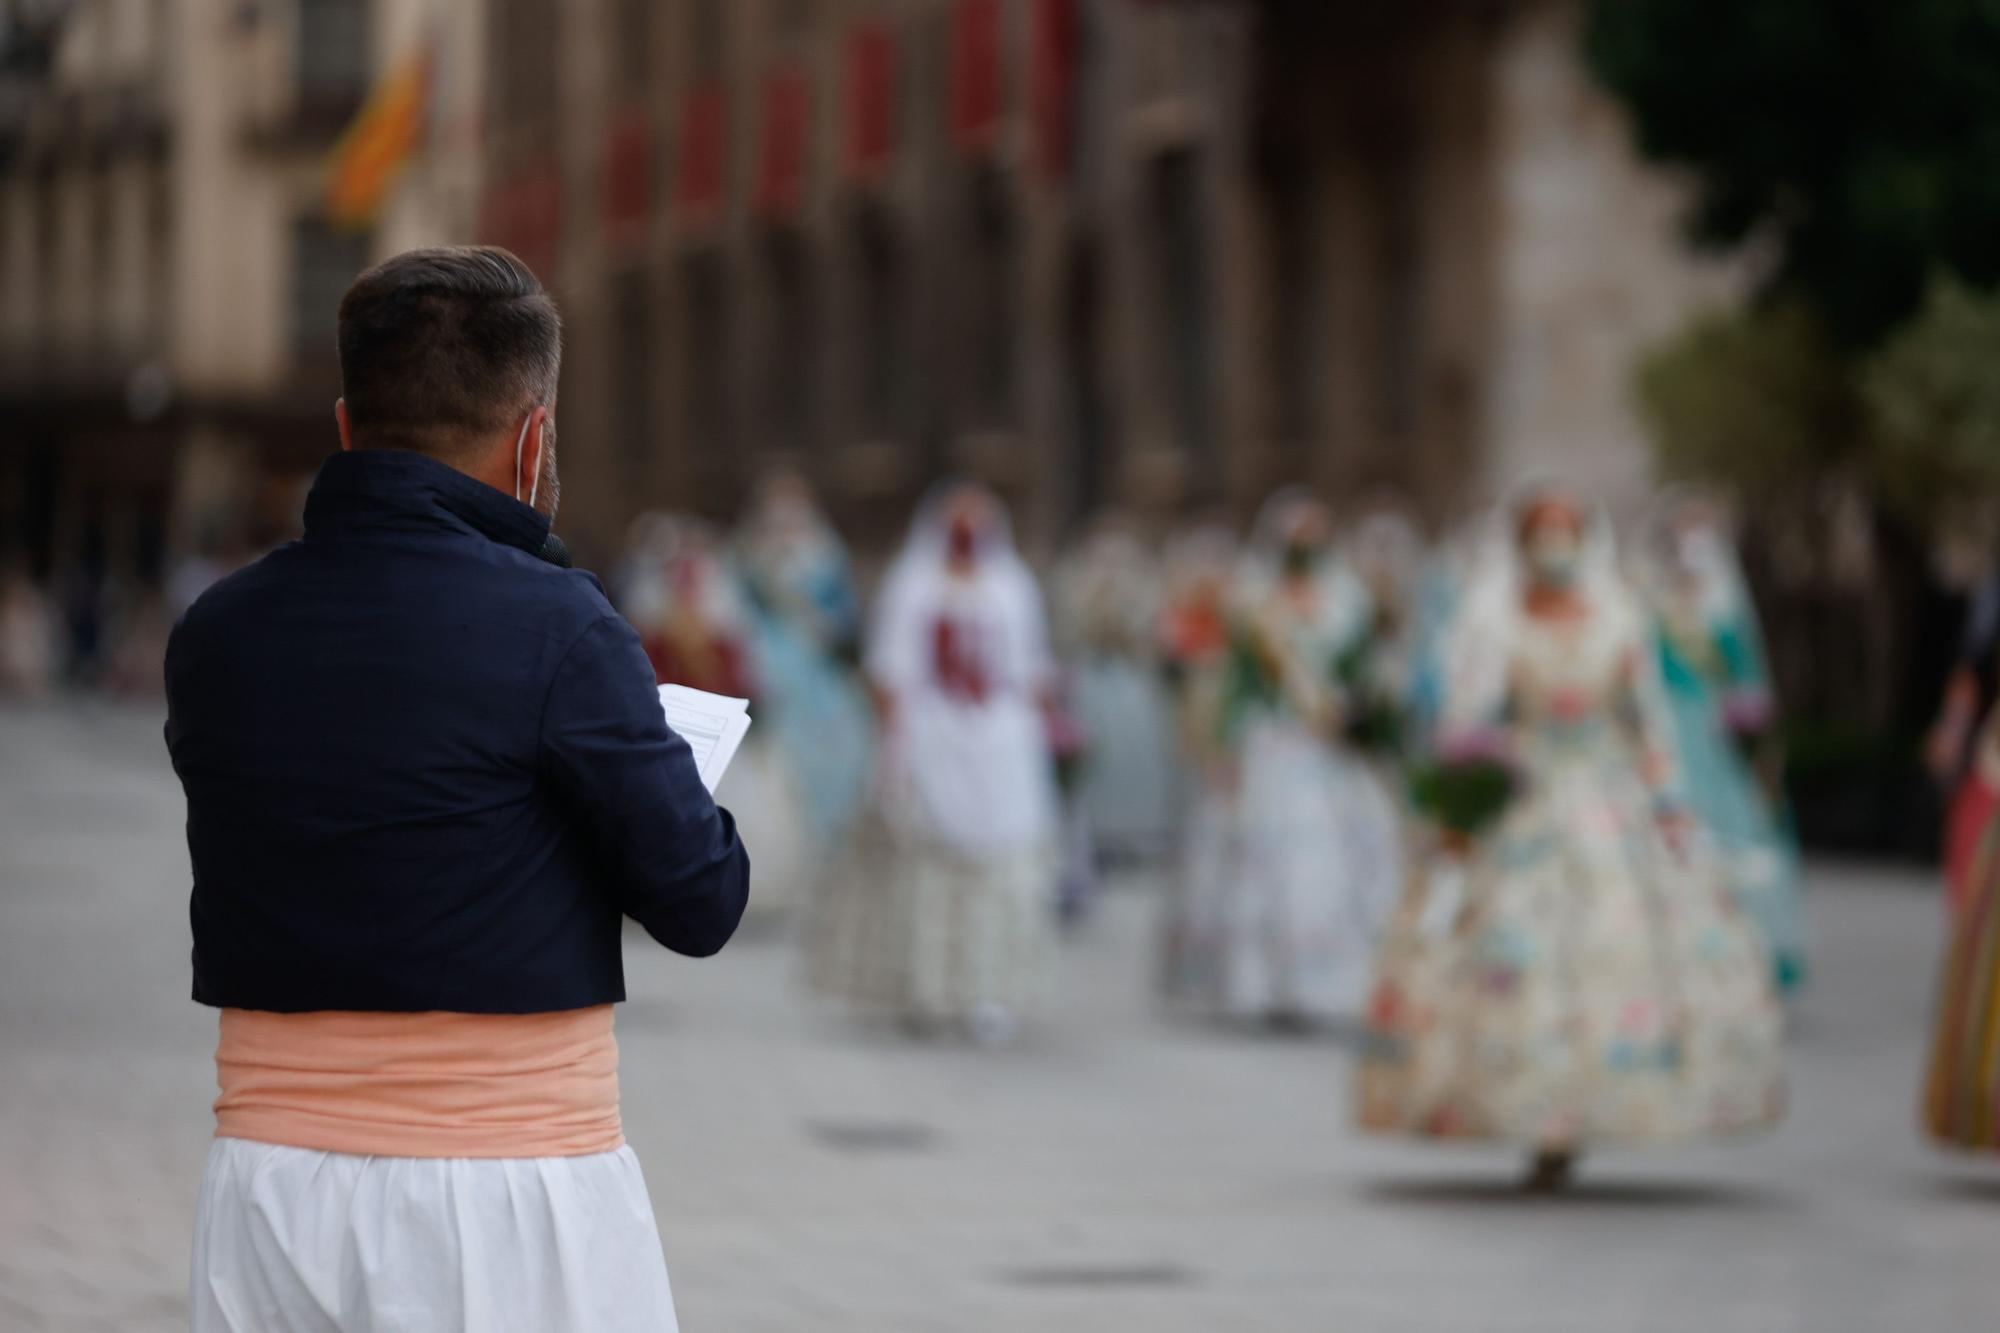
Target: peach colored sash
{"points": [[421, 1085]]}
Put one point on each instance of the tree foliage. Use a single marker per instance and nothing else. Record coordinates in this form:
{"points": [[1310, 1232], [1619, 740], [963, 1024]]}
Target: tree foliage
{"points": [[1933, 397], [1751, 399], [1861, 136]]}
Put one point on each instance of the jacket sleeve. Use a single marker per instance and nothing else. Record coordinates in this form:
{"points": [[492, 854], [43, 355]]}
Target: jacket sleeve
{"points": [[675, 862]]}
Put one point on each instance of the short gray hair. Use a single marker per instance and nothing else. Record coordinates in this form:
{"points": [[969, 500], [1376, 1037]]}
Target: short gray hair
{"points": [[443, 346]]}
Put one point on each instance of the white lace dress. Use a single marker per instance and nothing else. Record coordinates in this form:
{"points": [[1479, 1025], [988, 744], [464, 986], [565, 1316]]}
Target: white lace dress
{"points": [[1579, 978]]}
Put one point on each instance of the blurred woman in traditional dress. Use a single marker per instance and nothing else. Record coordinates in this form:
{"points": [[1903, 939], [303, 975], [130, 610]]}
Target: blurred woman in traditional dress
{"points": [[694, 619], [955, 922], [1950, 751], [1310, 869], [1722, 716], [1382, 674], [1107, 613], [1596, 983], [1193, 647], [807, 628], [1961, 1103]]}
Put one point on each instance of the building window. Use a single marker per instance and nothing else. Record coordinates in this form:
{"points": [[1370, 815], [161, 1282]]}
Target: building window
{"points": [[521, 87], [333, 58], [632, 60], [790, 383], [706, 342], [1182, 355], [1294, 308], [1401, 265], [791, 19], [705, 38], [990, 332], [1085, 400], [632, 370], [325, 261], [880, 344]]}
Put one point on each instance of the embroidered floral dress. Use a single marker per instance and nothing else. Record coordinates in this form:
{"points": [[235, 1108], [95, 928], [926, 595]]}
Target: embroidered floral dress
{"points": [[1578, 978]]}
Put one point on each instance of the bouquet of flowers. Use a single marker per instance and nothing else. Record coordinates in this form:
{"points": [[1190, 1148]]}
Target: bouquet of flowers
{"points": [[1469, 785], [1248, 684], [1373, 719]]}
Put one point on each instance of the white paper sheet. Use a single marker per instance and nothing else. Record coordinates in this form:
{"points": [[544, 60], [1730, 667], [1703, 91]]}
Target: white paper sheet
{"points": [[713, 725]]}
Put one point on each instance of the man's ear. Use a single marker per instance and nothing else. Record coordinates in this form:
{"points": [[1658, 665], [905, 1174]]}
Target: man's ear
{"points": [[346, 431], [531, 456]]}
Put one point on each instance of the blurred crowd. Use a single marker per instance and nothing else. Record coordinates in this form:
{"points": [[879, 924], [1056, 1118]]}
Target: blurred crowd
{"points": [[1507, 803]]}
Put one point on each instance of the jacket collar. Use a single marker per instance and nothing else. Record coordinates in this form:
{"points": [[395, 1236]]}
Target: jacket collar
{"points": [[370, 485]]}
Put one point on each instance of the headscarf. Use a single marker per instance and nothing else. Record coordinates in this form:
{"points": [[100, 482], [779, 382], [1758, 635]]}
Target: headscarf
{"points": [[1108, 590], [795, 564], [1478, 644], [919, 579], [1685, 533], [1343, 603]]}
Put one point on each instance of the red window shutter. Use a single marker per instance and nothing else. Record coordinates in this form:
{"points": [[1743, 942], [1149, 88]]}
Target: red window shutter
{"points": [[1053, 80], [975, 73], [704, 148], [871, 100], [782, 158], [628, 176], [523, 212]]}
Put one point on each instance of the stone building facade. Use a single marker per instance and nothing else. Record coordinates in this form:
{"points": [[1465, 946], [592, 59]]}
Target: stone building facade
{"points": [[167, 274], [1159, 254]]}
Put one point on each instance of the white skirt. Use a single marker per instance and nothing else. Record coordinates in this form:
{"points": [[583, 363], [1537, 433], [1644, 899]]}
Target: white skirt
{"points": [[290, 1240]]}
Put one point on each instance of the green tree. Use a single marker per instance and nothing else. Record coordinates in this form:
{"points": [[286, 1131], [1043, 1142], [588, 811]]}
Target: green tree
{"points": [[1861, 137], [1933, 399], [1754, 399]]}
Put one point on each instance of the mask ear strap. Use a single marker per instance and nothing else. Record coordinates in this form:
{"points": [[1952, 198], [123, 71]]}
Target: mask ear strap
{"points": [[519, 442]]}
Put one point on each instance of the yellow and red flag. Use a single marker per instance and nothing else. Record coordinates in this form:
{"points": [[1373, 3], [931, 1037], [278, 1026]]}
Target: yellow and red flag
{"points": [[376, 149]]}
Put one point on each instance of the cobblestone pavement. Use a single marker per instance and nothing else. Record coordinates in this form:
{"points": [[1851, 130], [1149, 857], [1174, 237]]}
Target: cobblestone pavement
{"points": [[1115, 1171]]}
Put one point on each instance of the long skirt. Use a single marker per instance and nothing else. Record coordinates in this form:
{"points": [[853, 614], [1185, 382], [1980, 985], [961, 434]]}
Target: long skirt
{"points": [[1962, 1093], [916, 928], [1969, 823], [1579, 980], [290, 1240], [1288, 883], [1753, 845]]}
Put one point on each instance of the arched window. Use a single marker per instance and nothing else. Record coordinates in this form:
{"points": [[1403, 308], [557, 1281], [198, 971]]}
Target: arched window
{"points": [[990, 400], [705, 348], [881, 316], [789, 379], [1182, 333]]}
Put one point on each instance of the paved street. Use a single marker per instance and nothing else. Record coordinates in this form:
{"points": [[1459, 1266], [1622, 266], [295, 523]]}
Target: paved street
{"points": [[1115, 1172]]}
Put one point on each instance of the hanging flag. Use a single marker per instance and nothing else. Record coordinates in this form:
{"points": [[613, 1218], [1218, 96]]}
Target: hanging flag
{"points": [[1053, 80], [376, 148], [871, 100], [975, 73], [704, 145], [628, 177], [781, 166], [522, 211]]}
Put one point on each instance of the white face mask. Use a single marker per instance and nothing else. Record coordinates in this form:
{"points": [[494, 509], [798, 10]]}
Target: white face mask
{"points": [[520, 443], [1554, 558]]}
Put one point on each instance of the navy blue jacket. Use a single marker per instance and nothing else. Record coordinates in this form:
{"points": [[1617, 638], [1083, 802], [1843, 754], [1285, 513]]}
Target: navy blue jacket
{"points": [[427, 769]]}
